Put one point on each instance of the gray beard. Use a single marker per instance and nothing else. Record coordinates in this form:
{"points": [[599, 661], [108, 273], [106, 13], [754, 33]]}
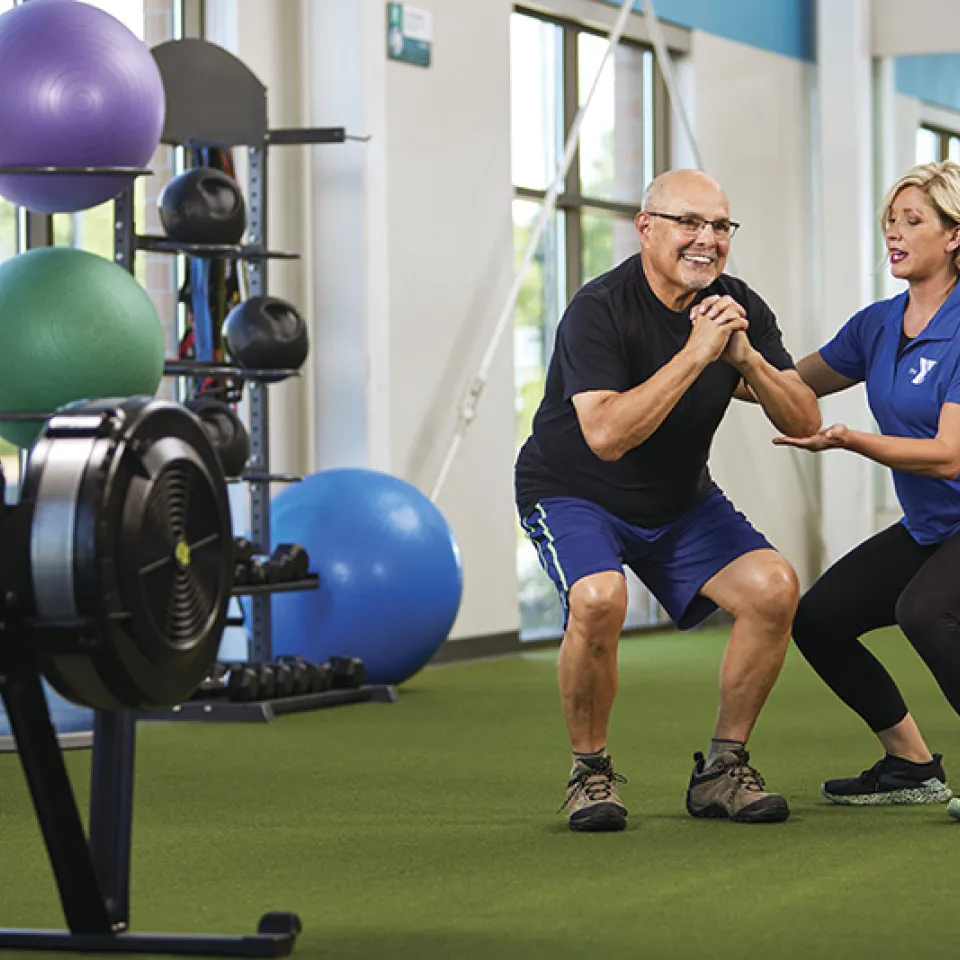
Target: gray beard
{"points": [[698, 283]]}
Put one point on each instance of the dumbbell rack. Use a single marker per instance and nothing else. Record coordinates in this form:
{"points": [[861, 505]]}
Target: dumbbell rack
{"points": [[214, 100]]}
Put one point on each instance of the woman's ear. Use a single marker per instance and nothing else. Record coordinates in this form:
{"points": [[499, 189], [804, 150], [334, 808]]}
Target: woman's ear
{"points": [[953, 243]]}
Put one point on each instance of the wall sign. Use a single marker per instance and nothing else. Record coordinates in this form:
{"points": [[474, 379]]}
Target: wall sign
{"points": [[409, 34]]}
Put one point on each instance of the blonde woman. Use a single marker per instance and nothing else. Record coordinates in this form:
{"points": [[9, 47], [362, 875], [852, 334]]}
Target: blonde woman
{"points": [[906, 351]]}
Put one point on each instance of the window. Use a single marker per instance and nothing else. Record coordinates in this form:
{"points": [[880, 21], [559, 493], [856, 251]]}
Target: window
{"points": [[934, 144], [553, 64]]}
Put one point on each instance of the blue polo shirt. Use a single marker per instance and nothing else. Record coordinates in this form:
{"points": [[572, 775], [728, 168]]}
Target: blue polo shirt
{"points": [[905, 395]]}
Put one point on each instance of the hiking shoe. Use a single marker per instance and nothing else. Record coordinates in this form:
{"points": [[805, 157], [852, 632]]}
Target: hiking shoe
{"points": [[593, 804], [730, 789], [892, 780], [953, 808]]}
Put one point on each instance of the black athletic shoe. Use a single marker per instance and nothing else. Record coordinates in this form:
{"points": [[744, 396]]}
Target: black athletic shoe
{"points": [[892, 780]]}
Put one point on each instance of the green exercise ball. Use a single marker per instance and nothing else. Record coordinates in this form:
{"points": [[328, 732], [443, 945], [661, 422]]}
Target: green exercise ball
{"points": [[73, 326]]}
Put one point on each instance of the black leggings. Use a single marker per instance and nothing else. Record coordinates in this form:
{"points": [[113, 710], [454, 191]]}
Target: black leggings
{"points": [[888, 579]]}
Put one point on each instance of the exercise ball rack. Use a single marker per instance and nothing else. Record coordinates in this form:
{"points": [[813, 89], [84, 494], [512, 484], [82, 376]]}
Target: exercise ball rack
{"points": [[215, 100]]}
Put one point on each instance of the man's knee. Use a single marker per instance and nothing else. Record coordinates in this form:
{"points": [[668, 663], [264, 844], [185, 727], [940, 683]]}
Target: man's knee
{"points": [[598, 603], [771, 593]]}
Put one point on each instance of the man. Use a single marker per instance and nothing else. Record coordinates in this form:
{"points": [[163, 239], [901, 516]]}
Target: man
{"points": [[647, 359]]}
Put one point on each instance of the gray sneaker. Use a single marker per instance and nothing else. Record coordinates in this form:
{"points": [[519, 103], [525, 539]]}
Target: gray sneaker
{"points": [[593, 804], [730, 789]]}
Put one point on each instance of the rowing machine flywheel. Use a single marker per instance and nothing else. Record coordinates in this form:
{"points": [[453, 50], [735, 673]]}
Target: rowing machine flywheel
{"points": [[130, 547]]}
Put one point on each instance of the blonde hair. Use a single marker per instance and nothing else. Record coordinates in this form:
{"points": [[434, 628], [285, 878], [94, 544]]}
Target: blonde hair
{"points": [[940, 184]]}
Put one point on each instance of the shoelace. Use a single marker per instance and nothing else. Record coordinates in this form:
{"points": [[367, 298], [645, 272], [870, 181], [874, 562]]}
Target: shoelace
{"points": [[598, 785], [748, 777], [872, 776]]}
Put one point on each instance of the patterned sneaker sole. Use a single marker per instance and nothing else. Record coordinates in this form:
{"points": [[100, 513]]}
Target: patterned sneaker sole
{"points": [[602, 818], [953, 808], [931, 791], [771, 810]]}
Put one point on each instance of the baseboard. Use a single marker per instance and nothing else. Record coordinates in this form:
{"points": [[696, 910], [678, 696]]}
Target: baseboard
{"points": [[478, 648], [502, 644]]}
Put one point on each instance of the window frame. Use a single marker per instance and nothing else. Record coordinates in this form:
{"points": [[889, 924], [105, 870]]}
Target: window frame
{"points": [[943, 135], [571, 200], [572, 204]]}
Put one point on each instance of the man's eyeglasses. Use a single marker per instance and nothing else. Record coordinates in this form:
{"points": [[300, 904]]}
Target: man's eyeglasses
{"points": [[693, 224]]}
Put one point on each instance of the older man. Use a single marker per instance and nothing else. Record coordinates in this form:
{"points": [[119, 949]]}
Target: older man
{"points": [[647, 359]]}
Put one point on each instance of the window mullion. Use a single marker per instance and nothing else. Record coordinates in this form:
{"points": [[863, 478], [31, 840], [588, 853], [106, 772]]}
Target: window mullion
{"points": [[573, 240], [661, 123]]}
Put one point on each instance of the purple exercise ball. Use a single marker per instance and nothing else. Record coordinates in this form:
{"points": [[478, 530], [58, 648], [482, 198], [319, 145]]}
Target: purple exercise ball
{"points": [[77, 88]]}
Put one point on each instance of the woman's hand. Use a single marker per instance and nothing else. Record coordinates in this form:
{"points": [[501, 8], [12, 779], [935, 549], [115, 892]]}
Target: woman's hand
{"points": [[834, 437]]}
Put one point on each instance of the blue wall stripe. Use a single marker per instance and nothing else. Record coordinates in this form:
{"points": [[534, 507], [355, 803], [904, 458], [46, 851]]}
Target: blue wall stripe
{"points": [[781, 26], [933, 78]]}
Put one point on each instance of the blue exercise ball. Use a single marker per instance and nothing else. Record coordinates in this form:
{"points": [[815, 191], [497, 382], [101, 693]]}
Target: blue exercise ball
{"points": [[79, 90], [389, 569]]}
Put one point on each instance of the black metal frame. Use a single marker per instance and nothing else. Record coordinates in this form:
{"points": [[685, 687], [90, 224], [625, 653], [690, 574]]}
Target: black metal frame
{"points": [[266, 711], [93, 874]]}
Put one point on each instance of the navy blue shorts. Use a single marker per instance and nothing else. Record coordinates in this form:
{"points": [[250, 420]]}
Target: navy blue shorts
{"points": [[575, 538]]}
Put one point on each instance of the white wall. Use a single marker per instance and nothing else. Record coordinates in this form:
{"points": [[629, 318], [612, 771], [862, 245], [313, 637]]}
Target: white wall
{"points": [[920, 26], [754, 137], [408, 256], [450, 240]]}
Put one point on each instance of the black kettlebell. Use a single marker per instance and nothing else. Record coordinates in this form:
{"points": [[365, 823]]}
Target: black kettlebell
{"points": [[226, 431], [203, 205], [266, 333]]}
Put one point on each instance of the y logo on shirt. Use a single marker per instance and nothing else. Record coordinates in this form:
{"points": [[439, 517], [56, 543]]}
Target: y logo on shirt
{"points": [[925, 367]]}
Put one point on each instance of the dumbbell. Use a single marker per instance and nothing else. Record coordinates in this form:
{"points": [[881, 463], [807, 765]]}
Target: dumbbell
{"points": [[258, 570], [243, 682], [291, 562], [242, 550], [321, 677], [301, 673], [263, 569], [214, 683], [308, 677], [242, 555], [251, 681], [283, 674], [268, 681], [346, 672]]}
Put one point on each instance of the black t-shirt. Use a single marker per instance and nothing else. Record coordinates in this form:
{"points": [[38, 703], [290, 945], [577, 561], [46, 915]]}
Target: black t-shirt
{"points": [[614, 335], [904, 340]]}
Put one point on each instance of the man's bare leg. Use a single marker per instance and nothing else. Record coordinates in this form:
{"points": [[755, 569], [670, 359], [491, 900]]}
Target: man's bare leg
{"points": [[587, 666], [760, 590], [587, 676]]}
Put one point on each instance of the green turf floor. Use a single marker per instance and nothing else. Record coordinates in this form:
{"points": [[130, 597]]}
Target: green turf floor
{"points": [[427, 828]]}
